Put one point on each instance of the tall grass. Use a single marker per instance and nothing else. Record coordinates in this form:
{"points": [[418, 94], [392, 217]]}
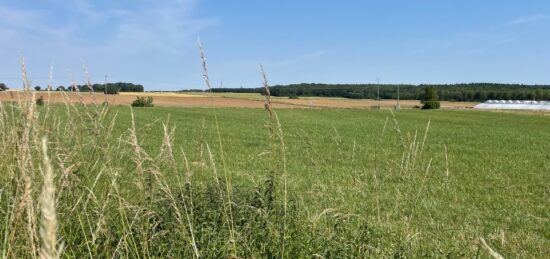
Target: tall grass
{"points": [[75, 185]]}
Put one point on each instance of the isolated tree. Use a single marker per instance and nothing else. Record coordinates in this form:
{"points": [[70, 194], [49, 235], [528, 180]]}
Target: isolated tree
{"points": [[431, 99], [60, 88], [430, 94], [37, 88], [3, 87]]}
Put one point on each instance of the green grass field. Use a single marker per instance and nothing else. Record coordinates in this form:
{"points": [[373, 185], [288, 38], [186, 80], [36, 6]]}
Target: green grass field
{"points": [[494, 184], [359, 183]]}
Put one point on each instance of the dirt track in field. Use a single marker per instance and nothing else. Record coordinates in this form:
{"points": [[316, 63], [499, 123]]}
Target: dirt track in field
{"points": [[235, 101]]}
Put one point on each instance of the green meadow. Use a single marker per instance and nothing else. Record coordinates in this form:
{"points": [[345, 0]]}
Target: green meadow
{"points": [[308, 183]]}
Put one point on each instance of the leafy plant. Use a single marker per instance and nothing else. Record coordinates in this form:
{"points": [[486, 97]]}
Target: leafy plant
{"points": [[40, 101], [428, 105], [142, 101]]}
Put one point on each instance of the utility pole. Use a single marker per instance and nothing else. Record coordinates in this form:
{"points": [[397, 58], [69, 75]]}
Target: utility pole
{"points": [[378, 84]]}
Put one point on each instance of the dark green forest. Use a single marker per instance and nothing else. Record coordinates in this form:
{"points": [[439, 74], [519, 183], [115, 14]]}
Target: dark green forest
{"points": [[446, 92], [110, 88]]}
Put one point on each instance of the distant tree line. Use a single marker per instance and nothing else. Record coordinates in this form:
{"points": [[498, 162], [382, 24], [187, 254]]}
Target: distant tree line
{"points": [[237, 90], [446, 92], [110, 88], [187, 91]]}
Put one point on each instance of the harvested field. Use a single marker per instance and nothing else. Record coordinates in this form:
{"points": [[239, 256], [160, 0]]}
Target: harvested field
{"points": [[168, 100], [336, 102], [364, 103], [227, 100]]}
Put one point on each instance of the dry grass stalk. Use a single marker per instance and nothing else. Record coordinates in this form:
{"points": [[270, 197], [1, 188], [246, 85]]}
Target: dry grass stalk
{"points": [[74, 88], [384, 128], [422, 184], [425, 137], [491, 252], [188, 171], [26, 83], [25, 164], [48, 230], [446, 162], [50, 79], [217, 181], [167, 150], [89, 82], [397, 128], [48, 89], [205, 69], [138, 152], [222, 155], [274, 119]]}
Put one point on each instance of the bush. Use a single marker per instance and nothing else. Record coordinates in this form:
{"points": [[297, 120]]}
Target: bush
{"points": [[142, 101], [430, 105], [40, 101], [430, 99], [293, 97]]}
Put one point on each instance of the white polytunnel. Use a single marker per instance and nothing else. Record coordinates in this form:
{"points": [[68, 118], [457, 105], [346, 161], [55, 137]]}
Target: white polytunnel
{"points": [[513, 105]]}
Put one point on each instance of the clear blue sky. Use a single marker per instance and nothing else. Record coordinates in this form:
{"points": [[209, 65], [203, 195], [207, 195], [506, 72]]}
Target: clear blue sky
{"points": [[153, 42]]}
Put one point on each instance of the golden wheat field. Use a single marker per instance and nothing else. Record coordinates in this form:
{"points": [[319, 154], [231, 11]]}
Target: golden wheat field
{"points": [[234, 100]]}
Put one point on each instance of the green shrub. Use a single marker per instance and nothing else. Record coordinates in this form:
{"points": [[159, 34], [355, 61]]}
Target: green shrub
{"points": [[40, 101], [430, 105], [142, 101], [293, 97]]}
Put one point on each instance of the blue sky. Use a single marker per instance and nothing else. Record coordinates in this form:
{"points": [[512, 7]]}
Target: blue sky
{"points": [[153, 42]]}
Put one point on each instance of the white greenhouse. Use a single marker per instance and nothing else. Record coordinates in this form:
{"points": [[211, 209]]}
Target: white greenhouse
{"points": [[514, 105]]}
